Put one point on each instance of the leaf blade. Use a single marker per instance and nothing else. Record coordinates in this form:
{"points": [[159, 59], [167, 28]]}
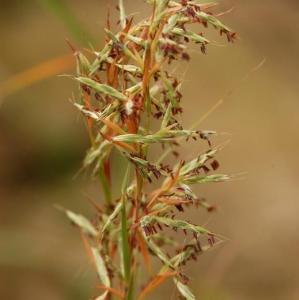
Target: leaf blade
{"points": [[102, 88], [82, 222], [184, 290]]}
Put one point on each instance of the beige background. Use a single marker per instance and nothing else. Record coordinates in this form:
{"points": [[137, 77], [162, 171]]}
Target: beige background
{"points": [[42, 141]]}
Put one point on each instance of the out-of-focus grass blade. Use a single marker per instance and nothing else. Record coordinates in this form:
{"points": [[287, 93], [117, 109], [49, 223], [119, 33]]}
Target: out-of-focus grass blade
{"points": [[154, 283], [122, 13], [102, 270], [82, 222], [63, 12], [36, 73], [112, 217], [184, 290]]}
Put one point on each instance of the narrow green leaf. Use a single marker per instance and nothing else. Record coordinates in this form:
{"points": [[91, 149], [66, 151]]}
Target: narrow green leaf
{"points": [[169, 42], [135, 88], [115, 40], [101, 267], [82, 222], [112, 36], [101, 56], [96, 154], [205, 178], [172, 22], [137, 40], [102, 88], [184, 290], [160, 12], [112, 217], [182, 257], [158, 252], [129, 68], [197, 162], [98, 116], [171, 91], [102, 271], [212, 20], [191, 35], [146, 168], [167, 116], [179, 224], [83, 64], [164, 135]]}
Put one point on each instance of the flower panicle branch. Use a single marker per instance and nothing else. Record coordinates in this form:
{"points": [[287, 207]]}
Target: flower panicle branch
{"points": [[125, 90]]}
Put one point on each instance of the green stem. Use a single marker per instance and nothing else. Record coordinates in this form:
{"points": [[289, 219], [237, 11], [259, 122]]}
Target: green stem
{"points": [[130, 292], [125, 240], [126, 251], [106, 187]]}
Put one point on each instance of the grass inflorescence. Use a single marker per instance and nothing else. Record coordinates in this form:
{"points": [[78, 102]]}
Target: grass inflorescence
{"points": [[126, 89]]}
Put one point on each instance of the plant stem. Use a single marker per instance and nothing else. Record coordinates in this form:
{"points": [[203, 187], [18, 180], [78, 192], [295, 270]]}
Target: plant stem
{"points": [[126, 251], [106, 187], [125, 241]]}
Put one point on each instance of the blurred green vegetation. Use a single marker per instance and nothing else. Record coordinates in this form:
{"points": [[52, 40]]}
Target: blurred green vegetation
{"points": [[61, 9]]}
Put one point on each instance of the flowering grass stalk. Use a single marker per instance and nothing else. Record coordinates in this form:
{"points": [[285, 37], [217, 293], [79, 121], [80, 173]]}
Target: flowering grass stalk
{"points": [[126, 89]]}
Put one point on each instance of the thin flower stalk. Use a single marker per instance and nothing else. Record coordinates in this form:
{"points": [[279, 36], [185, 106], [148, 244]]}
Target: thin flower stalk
{"points": [[126, 90]]}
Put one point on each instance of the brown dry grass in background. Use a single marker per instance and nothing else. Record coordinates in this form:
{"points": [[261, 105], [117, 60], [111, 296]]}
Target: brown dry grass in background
{"points": [[42, 145]]}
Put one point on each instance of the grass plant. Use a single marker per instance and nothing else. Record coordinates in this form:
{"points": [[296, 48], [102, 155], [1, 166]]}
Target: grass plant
{"points": [[131, 100]]}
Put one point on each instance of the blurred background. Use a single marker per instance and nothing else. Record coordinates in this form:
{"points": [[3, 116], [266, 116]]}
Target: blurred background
{"points": [[43, 141]]}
